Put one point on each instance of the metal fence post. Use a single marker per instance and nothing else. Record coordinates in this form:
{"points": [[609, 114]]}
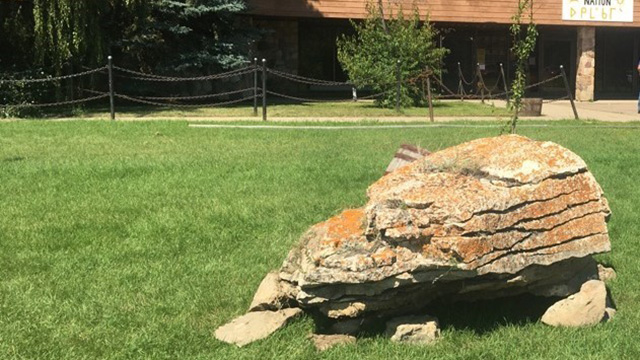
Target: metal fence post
{"points": [[111, 92], [398, 85], [566, 84], [504, 82], [264, 89], [255, 86], [429, 95]]}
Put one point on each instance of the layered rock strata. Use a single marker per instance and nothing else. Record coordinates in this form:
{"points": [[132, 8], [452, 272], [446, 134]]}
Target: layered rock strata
{"points": [[488, 218]]}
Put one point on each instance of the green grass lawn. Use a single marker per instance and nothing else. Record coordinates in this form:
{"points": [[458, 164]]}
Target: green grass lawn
{"points": [[331, 109], [137, 240]]}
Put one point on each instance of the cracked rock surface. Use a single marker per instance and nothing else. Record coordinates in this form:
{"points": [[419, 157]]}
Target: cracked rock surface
{"points": [[488, 218]]}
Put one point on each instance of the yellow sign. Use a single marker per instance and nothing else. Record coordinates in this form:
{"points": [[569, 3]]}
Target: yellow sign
{"points": [[598, 10]]}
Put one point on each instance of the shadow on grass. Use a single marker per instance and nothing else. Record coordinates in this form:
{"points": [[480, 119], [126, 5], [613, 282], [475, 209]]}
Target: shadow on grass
{"points": [[488, 315], [479, 317]]}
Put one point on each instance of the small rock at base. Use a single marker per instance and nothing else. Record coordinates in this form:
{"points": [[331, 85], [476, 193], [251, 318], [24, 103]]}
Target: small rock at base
{"points": [[609, 313], [414, 329], [325, 342], [585, 308], [254, 326], [611, 310], [606, 273]]}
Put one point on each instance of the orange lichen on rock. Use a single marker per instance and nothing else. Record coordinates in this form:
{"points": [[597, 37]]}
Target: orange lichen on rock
{"points": [[385, 257], [348, 224]]}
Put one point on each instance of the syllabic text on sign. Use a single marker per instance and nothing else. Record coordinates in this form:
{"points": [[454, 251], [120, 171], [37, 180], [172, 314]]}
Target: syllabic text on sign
{"points": [[598, 10]]}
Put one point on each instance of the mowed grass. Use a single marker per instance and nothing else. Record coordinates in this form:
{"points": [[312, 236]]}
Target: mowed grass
{"points": [[360, 109], [137, 240]]}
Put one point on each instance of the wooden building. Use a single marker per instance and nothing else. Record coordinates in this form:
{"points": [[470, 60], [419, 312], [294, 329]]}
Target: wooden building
{"points": [[597, 41]]}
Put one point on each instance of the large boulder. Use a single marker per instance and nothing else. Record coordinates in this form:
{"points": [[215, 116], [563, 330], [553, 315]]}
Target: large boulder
{"points": [[488, 218]]}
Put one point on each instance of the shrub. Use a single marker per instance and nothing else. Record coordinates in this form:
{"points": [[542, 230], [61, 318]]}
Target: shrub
{"points": [[370, 56]]}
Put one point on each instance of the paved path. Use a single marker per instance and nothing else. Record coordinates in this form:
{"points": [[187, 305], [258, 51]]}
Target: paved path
{"points": [[603, 110]]}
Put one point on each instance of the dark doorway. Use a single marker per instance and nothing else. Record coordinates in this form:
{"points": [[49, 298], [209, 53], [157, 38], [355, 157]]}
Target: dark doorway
{"points": [[475, 46], [318, 51], [557, 48], [616, 61]]}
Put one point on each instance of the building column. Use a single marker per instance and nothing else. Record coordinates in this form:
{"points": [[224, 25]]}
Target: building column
{"points": [[586, 72]]}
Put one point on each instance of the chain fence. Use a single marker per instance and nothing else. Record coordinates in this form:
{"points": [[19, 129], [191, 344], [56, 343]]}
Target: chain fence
{"points": [[247, 80]]}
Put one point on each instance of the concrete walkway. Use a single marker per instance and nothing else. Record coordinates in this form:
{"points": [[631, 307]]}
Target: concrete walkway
{"points": [[603, 110]]}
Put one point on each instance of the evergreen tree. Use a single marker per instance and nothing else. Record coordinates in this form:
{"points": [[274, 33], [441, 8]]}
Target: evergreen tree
{"points": [[155, 35], [188, 35]]}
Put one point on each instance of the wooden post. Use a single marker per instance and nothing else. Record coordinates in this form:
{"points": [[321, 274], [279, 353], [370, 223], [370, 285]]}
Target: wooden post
{"points": [[429, 99], [566, 84]]}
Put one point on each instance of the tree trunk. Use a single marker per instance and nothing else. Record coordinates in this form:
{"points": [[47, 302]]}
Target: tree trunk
{"points": [[382, 17]]}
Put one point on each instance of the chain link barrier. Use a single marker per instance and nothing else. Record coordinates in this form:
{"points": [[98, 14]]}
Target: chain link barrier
{"points": [[191, 106], [159, 78], [306, 80], [451, 95], [258, 92], [549, 101], [60, 103], [196, 97], [289, 97], [51, 79]]}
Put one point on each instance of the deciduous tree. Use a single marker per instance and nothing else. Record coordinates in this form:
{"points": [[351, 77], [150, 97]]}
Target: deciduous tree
{"points": [[370, 57]]}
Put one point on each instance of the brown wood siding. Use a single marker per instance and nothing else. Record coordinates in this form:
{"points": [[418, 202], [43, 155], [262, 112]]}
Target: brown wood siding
{"points": [[547, 12]]}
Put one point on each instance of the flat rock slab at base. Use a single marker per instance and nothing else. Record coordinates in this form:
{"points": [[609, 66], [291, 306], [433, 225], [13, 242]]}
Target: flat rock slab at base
{"points": [[254, 326], [325, 342], [582, 309], [414, 329]]}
